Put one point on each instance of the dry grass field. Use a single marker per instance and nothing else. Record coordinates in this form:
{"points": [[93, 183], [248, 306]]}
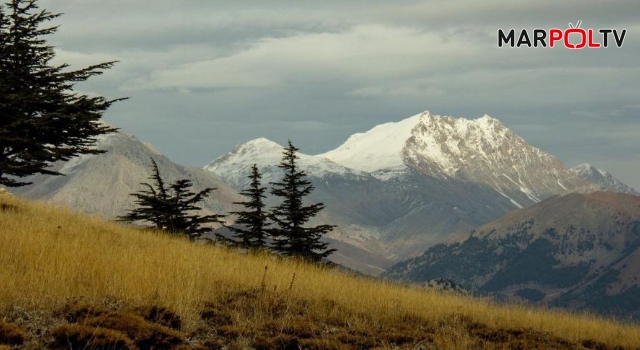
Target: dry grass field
{"points": [[72, 281]]}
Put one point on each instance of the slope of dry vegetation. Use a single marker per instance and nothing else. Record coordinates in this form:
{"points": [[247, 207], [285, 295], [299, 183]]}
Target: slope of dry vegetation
{"points": [[72, 281]]}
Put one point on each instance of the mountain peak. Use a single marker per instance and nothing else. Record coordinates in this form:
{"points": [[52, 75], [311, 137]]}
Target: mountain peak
{"points": [[481, 150], [260, 141], [488, 119], [384, 146], [260, 144], [602, 178], [236, 165], [583, 166], [378, 148], [260, 151]]}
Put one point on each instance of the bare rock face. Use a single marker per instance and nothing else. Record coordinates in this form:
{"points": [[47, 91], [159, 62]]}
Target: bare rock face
{"points": [[485, 151], [482, 151]]}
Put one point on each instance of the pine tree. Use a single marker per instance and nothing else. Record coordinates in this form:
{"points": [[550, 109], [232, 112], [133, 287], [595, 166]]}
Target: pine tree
{"points": [[41, 119], [290, 235], [152, 203], [170, 207], [251, 234]]}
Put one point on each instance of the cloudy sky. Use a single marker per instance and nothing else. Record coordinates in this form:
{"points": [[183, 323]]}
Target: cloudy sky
{"points": [[206, 75]]}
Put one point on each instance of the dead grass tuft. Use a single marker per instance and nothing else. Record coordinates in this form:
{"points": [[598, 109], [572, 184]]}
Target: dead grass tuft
{"points": [[79, 312], [10, 334], [162, 316], [144, 334], [79, 336]]}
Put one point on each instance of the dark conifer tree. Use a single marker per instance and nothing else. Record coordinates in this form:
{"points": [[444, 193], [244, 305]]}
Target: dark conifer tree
{"points": [[152, 203], [41, 119], [251, 225], [290, 235], [172, 208]]}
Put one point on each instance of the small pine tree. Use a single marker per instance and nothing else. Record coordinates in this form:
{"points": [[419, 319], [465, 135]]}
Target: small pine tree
{"points": [[169, 207], [251, 234], [290, 235], [42, 120]]}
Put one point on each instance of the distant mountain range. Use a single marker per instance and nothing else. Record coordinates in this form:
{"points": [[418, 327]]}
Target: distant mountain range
{"points": [[402, 187], [577, 251], [393, 191]]}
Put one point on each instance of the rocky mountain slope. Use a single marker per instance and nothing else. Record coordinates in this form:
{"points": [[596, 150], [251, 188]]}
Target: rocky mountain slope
{"points": [[401, 187], [102, 183], [601, 178], [577, 250], [481, 151]]}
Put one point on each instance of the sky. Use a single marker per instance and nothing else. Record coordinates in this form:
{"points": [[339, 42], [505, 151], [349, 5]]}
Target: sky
{"points": [[204, 76]]}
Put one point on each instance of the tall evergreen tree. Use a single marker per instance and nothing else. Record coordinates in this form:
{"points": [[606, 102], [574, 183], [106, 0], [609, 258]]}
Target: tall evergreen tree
{"points": [[291, 237], [251, 232], [171, 207], [42, 120]]}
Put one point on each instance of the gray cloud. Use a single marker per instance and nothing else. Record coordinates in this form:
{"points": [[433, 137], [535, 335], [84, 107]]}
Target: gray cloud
{"points": [[206, 75]]}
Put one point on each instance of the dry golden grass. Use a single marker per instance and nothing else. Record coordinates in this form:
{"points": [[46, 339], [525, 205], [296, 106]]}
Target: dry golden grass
{"points": [[50, 256]]}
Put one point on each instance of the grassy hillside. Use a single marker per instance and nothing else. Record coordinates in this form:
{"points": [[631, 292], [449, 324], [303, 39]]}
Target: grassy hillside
{"points": [[69, 280]]}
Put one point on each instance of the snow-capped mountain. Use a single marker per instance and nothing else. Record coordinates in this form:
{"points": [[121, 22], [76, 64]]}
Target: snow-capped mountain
{"points": [[393, 191], [379, 150], [401, 187], [235, 166], [482, 151], [103, 183], [601, 178]]}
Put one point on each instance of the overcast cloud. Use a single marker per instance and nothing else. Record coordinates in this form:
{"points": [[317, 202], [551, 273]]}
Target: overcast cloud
{"points": [[204, 76]]}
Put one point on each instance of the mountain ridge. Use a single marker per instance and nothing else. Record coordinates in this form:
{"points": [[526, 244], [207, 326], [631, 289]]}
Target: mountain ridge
{"points": [[383, 216], [388, 197], [102, 183], [574, 251]]}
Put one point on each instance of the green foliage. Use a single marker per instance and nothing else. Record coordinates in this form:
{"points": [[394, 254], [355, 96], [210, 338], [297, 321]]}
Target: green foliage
{"points": [[290, 235], [252, 223], [169, 207], [42, 120]]}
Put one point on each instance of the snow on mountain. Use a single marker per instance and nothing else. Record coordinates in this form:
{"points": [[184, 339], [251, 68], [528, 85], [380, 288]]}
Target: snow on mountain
{"points": [[449, 176], [602, 178], [487, 152], [235, 166], [377, 149], [481, 150]]}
